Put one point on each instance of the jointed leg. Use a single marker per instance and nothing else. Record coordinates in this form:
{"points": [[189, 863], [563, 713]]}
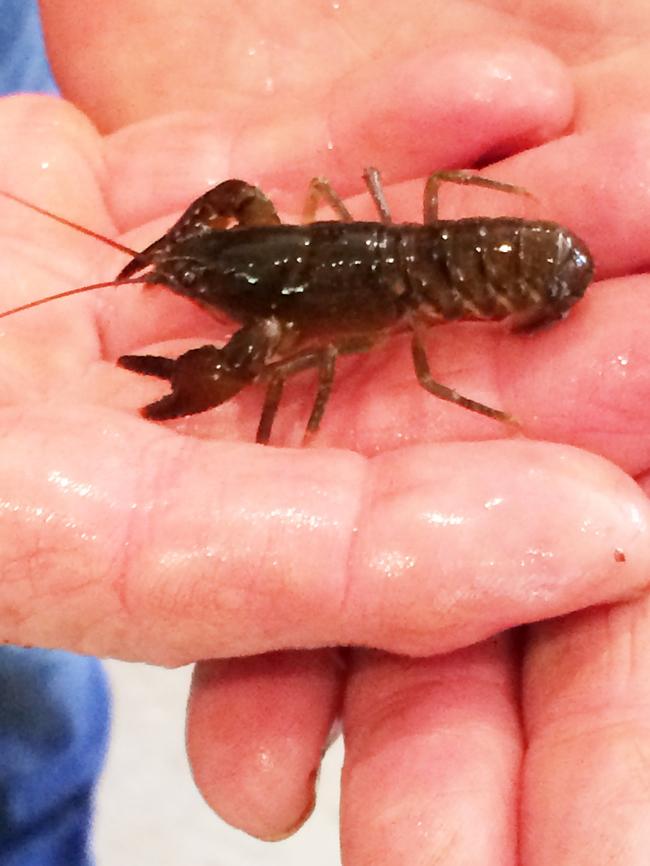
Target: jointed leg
{"points": [[421, 364], [280, 371], [372, 178], [326, 368], [325, 359], [466, 178], [270, 408], [320, 189]]}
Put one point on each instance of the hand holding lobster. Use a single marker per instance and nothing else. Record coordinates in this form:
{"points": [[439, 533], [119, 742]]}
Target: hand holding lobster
{"points": [[235, 550]]}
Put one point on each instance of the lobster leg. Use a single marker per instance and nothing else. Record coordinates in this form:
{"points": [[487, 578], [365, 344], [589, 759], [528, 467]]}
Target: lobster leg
{"points": [[278, 374], [323, 358], [423, 373], [320, 189], [326, 366], [372, 178], [464, 178]]}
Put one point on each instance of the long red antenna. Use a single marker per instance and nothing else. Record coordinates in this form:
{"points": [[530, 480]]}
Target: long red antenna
{"points": [[111, 243], [67, 294]]}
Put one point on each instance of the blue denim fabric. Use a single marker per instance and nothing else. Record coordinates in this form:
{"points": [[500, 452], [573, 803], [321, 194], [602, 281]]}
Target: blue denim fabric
{"points": [[53, 734], [23, 64]]}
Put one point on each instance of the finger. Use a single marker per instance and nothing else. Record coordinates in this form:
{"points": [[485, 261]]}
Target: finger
{"points": [[349, 92], [499, 90], [596, 363], [585, 794], [256, 732], [612, 84], [432, 757], [122, 538]]}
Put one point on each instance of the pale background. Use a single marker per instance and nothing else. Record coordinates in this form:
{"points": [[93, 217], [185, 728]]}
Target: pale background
{"points": [[150, 814]]}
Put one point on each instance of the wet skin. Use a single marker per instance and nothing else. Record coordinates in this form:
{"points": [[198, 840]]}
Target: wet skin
{"points": [[415, 533]]}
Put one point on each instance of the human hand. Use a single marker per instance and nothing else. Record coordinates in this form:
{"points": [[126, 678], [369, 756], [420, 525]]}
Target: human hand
{"points": [[265, 557]]}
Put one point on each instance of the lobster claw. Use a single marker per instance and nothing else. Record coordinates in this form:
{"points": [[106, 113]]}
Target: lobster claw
{"points": [[200, 379]]}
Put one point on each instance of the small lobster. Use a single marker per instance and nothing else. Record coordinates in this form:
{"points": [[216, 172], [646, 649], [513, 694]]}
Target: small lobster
{"points": [[304, 294]]}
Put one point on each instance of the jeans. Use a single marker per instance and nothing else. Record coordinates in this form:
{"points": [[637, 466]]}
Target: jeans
{"points": [[54, 718]]}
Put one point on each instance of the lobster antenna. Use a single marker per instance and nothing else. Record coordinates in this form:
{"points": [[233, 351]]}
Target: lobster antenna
{"points": [[67, 294], [109, 241]]}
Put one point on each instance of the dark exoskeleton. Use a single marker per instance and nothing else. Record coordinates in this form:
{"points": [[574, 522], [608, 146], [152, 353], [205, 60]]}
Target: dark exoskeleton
{"points": [[305, 294]]}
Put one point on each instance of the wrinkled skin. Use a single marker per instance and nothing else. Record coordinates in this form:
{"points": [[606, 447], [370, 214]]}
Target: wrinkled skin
{"points": [[410, 526]]}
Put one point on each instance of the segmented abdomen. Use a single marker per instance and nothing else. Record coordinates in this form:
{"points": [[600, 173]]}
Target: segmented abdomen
{"points": [[493, 268]]}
